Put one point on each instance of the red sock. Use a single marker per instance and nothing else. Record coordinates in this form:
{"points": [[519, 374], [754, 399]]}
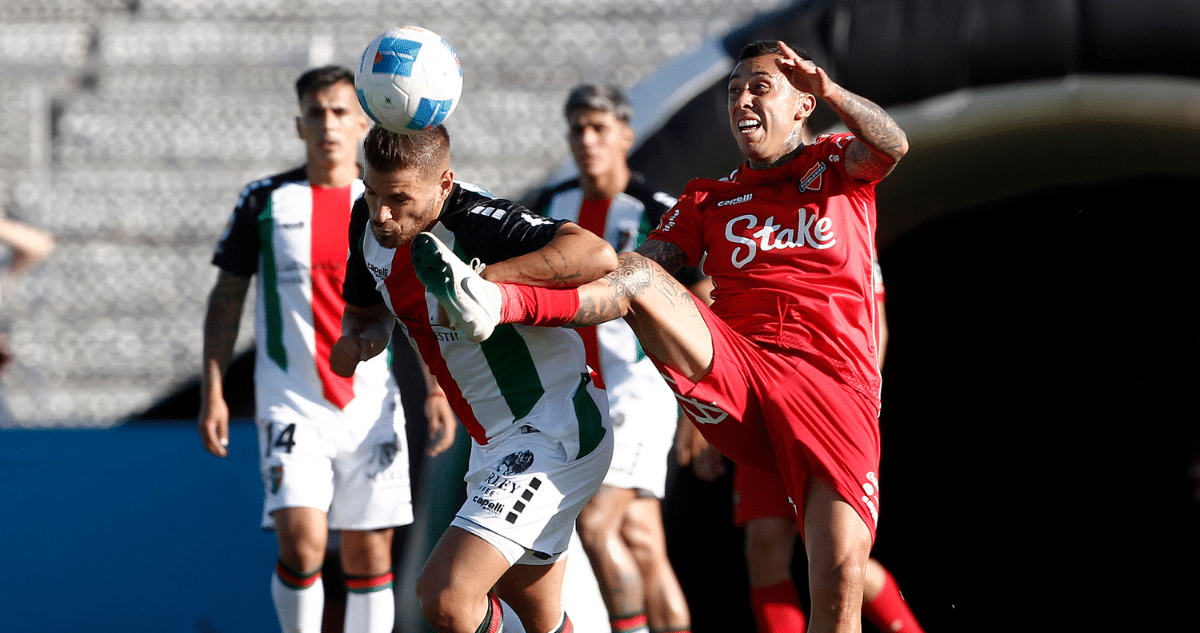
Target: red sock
{"points": [[889, 612], [777, 608], [296, 580], [493, 621], [627, 623], [531, 305]]}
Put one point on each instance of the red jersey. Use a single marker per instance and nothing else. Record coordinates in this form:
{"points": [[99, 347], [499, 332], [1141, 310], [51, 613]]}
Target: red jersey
{"points": [[790, 253]]}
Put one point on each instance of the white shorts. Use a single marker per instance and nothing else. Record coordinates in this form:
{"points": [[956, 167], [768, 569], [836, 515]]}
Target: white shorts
{"points": [[644, 417], [351, 464], [524, 490]]}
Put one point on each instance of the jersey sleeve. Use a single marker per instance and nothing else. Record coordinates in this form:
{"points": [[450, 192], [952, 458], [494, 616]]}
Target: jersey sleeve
{"points": [[659, 203], [494, 229], [681, 226], [359, 287], [238, 247], [834, 145]]}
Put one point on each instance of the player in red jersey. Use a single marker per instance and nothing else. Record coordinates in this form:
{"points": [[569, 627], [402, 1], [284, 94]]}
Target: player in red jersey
{"points": [[781, 372], [761, 508]]}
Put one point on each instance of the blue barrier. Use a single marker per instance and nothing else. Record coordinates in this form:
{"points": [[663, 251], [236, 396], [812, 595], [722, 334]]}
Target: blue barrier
{"points": [[134, 528]]}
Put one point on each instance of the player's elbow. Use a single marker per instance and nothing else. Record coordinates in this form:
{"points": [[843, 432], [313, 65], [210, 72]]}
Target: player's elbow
{"points": [[901, 147], [604, 260]]}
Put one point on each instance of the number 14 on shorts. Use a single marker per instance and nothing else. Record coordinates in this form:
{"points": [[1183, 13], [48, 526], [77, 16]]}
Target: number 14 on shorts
{"points": [[285, 440]]}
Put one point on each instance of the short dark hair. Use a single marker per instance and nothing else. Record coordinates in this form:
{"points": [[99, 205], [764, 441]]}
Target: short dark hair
{"points": [[317, 78], [597, 97], [426, 150], [768, 47]]}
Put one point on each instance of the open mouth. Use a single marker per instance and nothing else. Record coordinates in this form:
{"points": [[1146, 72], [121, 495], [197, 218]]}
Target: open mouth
{"points": [[748, 125]]}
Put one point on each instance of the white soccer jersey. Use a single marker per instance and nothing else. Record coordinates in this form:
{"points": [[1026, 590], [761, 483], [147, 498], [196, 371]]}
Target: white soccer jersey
{"points": [[519, 374], [294, 237]]}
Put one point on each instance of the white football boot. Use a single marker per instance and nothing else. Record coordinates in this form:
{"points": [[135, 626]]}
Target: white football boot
{"points": [[472, 302]]}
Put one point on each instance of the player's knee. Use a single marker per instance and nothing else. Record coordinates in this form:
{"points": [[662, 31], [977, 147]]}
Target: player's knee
{"points": [[441, 604], [367, 553], [594, 526], [843, 577], [645, 543], [302, 555]]}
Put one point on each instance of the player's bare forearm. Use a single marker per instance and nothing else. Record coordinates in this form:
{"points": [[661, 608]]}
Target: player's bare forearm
{"points": [[638, 277], [574, 257], [221, 321], [881, 143]]}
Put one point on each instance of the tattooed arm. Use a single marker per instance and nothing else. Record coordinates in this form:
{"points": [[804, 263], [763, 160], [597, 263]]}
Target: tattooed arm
{"points": [[665, 254], [220, 333], [879, 143], [640, 273], [574, 257]]}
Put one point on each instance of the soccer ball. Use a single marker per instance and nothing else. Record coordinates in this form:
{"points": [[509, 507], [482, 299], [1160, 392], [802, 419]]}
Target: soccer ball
{"points": [[409, 79]]}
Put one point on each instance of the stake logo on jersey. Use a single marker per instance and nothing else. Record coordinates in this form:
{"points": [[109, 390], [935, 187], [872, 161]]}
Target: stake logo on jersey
{"points": [[746, 230]]}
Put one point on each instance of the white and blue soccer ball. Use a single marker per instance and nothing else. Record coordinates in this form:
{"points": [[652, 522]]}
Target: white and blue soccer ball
{"points": [[409, 79]]}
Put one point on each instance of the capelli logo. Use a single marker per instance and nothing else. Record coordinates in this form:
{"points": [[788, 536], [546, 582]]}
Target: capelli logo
{"points": [[379, 273], [738, 200]]}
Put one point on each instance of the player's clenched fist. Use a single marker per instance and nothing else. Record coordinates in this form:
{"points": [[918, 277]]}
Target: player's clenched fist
{"points": [[351, 349]]}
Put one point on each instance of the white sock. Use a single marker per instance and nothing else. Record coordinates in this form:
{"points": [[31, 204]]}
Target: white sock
{"points": [[299, 608], [370, 604]]}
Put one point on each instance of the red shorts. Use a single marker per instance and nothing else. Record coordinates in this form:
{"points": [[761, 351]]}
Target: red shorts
{"points": [[781, 412], [759, 494]]}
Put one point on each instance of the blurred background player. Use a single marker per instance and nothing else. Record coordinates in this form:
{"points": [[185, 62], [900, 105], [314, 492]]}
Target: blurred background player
{"points": [[332, 451], [621, 527], [541, 436], [29, 246]]}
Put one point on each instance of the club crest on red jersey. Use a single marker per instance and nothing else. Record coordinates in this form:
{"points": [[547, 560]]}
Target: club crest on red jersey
{"points": [[813, 179]]}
